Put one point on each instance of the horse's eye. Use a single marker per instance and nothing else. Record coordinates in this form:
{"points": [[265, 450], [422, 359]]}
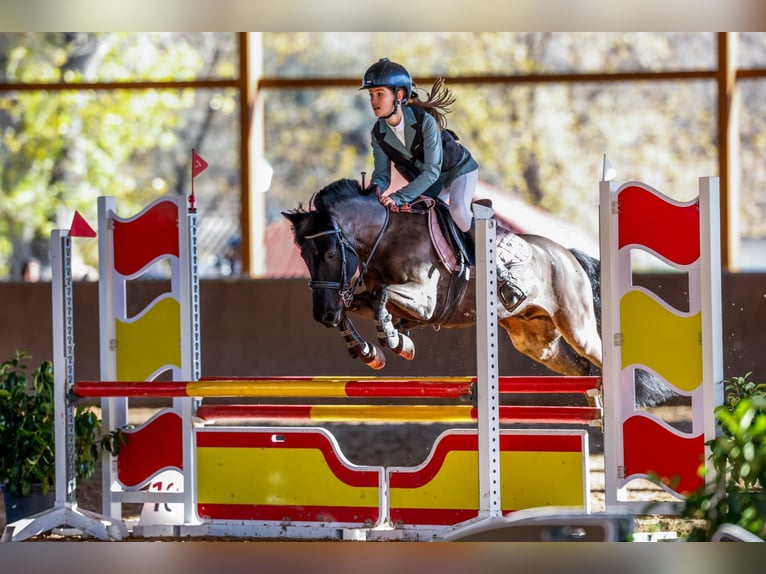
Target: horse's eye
{"points": [[331, 254]]}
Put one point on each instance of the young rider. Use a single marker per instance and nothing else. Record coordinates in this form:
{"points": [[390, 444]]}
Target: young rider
{"points": [[413, 135]]}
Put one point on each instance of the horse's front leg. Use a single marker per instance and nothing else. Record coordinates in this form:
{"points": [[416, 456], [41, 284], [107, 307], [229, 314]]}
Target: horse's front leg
{"points": [[388, 335], [358, 347]]}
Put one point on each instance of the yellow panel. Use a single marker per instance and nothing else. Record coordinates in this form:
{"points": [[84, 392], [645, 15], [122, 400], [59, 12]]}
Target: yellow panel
{"points": [[658, 338], [528, 479], [531, 479], [150, 342], [454, 486], [273, 476]]}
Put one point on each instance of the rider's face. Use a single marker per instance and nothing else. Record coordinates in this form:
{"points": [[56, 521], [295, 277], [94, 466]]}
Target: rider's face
{"points": [[381, 101]]}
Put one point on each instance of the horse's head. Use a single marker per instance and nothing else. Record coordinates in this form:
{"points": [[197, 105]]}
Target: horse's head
{"points": [[331, 260]]}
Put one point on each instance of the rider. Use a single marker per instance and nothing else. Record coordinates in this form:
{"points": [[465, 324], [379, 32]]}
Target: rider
{"points": [[413, 135]]}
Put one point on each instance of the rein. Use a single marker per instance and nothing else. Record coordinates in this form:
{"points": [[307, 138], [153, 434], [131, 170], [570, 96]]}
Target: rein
{"points": [[343, 286]]}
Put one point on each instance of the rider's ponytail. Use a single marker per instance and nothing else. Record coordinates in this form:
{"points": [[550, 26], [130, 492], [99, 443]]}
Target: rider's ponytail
{"points": [[438, 103]]}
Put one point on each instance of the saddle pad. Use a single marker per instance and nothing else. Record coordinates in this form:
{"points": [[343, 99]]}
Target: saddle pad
{"points": [[511, 249], [441, 244]]}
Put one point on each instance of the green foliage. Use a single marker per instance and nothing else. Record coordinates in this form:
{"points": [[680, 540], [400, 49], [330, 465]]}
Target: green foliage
{"points": [[27, 430], [60, 150], [736, 494]]}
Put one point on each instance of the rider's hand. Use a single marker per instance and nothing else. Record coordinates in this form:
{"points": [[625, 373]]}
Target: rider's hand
{"points": [[389, 203], [405, 208]]}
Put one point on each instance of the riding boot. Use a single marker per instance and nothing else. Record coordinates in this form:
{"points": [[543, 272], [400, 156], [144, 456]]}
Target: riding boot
{"points": [[469, 242]]}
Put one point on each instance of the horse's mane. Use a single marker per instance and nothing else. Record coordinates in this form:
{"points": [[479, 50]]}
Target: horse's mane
{"points": [[319, 215], [335, 192]]}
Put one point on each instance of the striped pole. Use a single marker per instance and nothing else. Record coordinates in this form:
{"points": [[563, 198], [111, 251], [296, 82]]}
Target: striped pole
{"points": [[393, 414], [332, 387]]}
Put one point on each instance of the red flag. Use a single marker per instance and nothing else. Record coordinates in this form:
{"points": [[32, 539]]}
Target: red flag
{"points": [[198, 164], [80, 227]]}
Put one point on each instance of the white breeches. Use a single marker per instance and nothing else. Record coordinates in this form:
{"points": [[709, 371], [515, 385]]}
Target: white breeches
{"points": [[459, 196]]}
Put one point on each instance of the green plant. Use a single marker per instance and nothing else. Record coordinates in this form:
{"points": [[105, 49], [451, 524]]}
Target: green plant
{"points": [[736, 494], [27, 430]]}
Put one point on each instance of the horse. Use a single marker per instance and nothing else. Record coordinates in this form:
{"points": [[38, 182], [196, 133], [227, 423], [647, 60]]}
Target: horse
{"points": [[383, 265]]}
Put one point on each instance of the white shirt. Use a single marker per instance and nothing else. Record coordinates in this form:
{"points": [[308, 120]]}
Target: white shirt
{"points": [[398, 129]]}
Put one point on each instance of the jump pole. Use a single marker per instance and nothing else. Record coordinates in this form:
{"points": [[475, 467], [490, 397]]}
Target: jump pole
{"points": [[393, 414], [334, 387]]}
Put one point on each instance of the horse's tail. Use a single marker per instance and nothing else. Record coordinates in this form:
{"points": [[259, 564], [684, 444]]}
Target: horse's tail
{"points": [[592, 268], [650, 390]]}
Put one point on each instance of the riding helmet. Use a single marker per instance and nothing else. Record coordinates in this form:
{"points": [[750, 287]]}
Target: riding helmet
{"points": [[386, 73]]}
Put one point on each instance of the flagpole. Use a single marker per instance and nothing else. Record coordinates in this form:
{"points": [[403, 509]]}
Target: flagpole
{"points": [[192, 198]]}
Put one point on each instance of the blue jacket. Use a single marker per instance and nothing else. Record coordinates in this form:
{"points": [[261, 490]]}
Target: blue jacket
{"points": [[431, 180]]}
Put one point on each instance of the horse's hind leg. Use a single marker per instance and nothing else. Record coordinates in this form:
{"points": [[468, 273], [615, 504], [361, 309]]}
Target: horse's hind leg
{"points": [[539, 339], [578, 326], [388, 335]]}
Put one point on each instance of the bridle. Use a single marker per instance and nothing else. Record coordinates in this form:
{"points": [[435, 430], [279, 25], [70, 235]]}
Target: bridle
{"points": [[344, 287]]}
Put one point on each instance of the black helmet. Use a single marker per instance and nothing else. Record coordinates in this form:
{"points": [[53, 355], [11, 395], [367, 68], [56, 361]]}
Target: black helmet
{"points": [[386, 73]]}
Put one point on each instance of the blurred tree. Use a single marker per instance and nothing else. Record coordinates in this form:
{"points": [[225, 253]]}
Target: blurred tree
{"points": [[541, 141], [62, 149]]}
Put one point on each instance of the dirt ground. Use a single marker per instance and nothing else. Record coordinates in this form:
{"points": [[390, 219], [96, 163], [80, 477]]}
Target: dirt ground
{"points": [[408, 445]]}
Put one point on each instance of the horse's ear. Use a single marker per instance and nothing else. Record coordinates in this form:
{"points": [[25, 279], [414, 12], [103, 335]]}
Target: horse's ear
{"points": [[295, 217], [299, 221]]}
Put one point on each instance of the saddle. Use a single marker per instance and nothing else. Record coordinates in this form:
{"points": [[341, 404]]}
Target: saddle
{"points": [[454, 248]]}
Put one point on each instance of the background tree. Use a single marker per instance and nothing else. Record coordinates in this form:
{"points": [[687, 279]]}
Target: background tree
{"points": [[540, 141], [62, 149]]}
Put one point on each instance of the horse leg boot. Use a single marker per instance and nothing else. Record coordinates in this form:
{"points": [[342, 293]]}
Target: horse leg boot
{"points": [[388, 335], [509, 292], [358, 347]]}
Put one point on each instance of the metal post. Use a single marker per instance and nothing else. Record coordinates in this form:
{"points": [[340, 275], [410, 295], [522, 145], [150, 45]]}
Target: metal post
{"points": [[190, 352], [712, 322], [65, 511], [487, 382], [487, 385], [63, 378], [610, 328]]}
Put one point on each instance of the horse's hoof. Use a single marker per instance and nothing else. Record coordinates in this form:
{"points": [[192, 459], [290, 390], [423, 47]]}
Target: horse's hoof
{"points": [[375, 359], [406, 348]]}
